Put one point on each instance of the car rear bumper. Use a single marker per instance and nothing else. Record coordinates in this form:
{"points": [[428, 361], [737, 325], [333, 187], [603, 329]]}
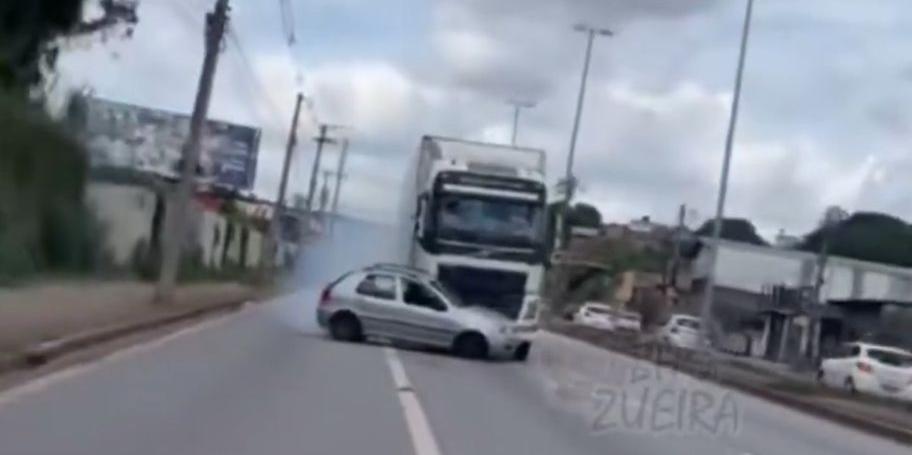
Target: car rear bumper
{"points": [[866, 383], [322, 317]]}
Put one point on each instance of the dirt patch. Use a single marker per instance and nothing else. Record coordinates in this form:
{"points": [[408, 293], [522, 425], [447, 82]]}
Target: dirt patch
{"points": [[45, 312]]}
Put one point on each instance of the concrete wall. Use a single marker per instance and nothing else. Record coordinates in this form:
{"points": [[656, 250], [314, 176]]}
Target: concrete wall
{"points": [[753, 268], [125, 212], [211, 232]]}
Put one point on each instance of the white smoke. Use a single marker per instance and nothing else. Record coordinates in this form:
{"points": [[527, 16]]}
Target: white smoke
{"points": [[352, 244]]}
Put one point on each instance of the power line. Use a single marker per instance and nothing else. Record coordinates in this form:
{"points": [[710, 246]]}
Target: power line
{"points": [[251, 73]]}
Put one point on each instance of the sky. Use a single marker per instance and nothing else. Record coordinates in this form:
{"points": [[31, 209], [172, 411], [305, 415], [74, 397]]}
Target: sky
{"points": [[825, 113]]}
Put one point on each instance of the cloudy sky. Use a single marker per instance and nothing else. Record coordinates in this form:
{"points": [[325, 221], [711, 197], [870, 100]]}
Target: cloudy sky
{"points": [[825, 116]]}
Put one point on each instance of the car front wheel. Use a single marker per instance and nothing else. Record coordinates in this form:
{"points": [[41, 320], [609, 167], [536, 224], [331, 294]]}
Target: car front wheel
{"points": [[471, 345], [522, 352]]}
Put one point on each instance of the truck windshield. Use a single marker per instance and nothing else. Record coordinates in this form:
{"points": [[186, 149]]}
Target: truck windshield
{"points": [[495, 221]]}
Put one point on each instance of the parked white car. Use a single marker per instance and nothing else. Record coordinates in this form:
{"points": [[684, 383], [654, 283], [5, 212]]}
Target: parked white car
{"points": [[681, 331], [594, 315], [627, 321], [869, 368]]}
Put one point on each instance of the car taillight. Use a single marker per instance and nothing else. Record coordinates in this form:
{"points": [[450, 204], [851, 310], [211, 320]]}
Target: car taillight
{"points": [[865, 367], [325, 295]]}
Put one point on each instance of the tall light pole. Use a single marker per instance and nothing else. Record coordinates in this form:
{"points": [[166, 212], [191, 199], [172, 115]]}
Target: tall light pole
{"points": [[569, 180], [709, 295], [517, 106]]}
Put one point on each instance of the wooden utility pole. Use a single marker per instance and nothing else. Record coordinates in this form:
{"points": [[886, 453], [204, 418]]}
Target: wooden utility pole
{"points": [[279, 209], [176, 211], [340, 175], [321, 139], [677, 233]]}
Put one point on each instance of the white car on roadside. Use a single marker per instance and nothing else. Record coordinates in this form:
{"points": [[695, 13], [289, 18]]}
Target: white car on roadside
{"points": [[605, 317], [681, 331], [596, 315], [869, 368], [626, 321]]}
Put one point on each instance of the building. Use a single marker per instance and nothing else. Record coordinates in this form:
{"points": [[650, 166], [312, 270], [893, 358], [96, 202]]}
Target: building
{"points": [[768, 292]]}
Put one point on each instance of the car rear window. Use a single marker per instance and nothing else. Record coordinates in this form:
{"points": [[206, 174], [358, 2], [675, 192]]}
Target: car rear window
{"points": [[896, 359], [378, 285], [598, 310]]}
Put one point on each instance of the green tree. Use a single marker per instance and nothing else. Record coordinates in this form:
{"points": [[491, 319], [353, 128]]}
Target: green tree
{"points": [[584, 215], [874, 237], [736, 229], [29, 32]]}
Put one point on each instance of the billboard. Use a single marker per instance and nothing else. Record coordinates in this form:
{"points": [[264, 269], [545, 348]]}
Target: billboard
{"points": [[124, 135]]}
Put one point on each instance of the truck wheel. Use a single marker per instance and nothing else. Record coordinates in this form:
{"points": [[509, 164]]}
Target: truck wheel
{"points": [[345, 327], [471, 345], [522, 352]]}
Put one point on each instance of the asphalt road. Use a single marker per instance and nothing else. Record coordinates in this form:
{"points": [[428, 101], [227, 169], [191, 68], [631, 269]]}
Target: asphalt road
{"points": [[267, 381]]}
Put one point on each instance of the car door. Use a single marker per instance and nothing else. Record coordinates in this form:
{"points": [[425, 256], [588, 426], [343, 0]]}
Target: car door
{"points": [[376, 302], [425, 315]]}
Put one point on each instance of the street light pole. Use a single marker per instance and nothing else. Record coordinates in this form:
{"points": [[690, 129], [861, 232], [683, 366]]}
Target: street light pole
{"points": [[709, 295], [569, 180], [517, 105]]}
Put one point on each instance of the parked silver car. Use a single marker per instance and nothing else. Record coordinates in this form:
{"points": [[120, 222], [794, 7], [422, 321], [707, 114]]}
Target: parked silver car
{"points": [[404, 304]]}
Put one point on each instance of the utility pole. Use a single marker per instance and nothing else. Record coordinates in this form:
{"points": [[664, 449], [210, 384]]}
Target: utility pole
{"points": [[176, 212], [340, 175], [279, 209], [832, 219], [676, 248], [312, 188], [569, 179], [517, 105], [709, 295]]}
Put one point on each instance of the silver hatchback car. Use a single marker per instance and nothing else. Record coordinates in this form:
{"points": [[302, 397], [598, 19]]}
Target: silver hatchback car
{"points": [[404, 304]]}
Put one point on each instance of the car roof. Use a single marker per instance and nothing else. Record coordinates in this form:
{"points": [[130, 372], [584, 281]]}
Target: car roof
{"points": [[880, 347], [402, 270]]}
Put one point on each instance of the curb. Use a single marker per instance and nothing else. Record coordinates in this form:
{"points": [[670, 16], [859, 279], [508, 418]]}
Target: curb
{"points": [[862, 422], [44, 352]]}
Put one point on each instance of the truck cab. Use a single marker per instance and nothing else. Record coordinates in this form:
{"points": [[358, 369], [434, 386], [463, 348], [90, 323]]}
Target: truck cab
{"points": [[477, 223]]}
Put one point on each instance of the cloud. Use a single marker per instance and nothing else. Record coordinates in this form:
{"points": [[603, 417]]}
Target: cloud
{"points": [[824, 116]]}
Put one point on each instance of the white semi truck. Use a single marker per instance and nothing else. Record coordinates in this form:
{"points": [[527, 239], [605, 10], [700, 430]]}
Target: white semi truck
{"points": [[474, 218]]}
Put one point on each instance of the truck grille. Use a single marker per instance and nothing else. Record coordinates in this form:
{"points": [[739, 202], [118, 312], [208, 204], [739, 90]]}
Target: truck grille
{"points": [[499, 290]]}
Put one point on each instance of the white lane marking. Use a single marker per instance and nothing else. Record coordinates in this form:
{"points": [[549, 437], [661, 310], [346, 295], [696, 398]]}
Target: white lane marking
{"points": [[423, 441], [41, 383]]}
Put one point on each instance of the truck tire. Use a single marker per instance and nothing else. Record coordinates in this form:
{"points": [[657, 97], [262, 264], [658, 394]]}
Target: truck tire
{"points": [[471, 345], [345, 327]]}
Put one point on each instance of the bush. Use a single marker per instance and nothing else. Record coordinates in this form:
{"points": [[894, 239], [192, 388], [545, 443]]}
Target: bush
{"points": [[44, 223]]}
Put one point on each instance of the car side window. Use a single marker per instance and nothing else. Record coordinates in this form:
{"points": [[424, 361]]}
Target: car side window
{"points": [[418, 294], [379, 286]]}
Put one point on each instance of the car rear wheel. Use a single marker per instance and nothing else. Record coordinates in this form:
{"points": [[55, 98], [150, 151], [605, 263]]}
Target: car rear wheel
{"points": [[820, 376], [471, 346], [849, 385], [345, 327]]}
